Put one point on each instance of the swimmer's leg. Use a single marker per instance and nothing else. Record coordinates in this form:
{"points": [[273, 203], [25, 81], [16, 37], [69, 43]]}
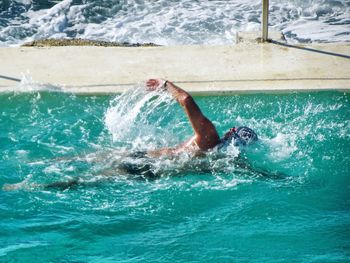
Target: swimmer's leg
{"points": [[63, 185], [56, 185], [13, 187]]}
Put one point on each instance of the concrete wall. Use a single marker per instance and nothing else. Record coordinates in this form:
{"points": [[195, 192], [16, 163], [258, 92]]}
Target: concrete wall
{"points": [[243, 67]]}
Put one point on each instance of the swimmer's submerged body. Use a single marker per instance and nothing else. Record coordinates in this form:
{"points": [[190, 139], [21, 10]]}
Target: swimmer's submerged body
{"points": [[205, 138]]}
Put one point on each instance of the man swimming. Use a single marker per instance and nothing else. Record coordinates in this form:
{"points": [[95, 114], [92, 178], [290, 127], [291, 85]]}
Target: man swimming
{"points": [[205, 134], [204, 139]]}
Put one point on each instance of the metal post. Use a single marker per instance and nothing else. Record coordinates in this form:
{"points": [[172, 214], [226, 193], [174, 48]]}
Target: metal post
{"points": [[265, 20]]}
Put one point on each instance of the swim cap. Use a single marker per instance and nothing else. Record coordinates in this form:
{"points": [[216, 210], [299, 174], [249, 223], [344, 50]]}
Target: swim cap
{"points": [[244, 136], [241, 136]]}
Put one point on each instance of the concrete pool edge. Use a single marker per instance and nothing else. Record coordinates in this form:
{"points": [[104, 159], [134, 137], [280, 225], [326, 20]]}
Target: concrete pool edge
{"points": [[230, 69]]}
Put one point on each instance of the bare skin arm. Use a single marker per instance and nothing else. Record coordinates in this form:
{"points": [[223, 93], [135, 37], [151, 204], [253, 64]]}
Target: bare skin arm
{"points": [[205, 134]]}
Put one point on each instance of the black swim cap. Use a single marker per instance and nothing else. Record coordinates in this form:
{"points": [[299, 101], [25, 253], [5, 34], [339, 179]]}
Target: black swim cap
{"points": [[244, 136]]}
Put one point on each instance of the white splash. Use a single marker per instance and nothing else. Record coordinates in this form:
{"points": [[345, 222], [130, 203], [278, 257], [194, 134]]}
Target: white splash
{"points": [[282, 146], [28, 84], [127, 119]]}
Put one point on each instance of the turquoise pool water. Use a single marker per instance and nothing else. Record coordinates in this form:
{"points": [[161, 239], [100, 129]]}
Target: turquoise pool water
{"points": [[297, 210]]}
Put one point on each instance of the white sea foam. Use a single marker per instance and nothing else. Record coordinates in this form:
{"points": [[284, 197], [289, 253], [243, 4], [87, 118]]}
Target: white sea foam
{"points": [[52, 169], [220, 184], [178, 22], [22, 152]]}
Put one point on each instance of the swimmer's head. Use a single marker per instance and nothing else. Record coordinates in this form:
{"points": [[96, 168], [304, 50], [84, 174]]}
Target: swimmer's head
{"points": [[241, 136]]}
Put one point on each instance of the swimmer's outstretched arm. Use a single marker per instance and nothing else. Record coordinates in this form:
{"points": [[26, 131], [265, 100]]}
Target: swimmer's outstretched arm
{"points": [[206, 136]]}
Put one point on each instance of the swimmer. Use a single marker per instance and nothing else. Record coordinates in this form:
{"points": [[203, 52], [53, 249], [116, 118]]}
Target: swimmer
{"points": [[204, 139], [205, 135]]}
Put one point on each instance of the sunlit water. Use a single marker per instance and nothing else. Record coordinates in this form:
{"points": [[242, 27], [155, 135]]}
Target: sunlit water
{"points": [[291, 205], [173, 22]]}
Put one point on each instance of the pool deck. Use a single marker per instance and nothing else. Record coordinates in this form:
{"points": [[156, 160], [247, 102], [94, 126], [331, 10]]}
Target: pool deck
{"points": [[244, 67]]}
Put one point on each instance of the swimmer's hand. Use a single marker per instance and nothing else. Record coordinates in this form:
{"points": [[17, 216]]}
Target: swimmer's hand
{"points": [[155, 84]]}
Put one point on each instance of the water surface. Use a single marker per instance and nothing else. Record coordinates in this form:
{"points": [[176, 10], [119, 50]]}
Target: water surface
{"points": [[224, 214]]}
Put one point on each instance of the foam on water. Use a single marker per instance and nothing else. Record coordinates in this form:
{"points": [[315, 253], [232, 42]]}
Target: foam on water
{"points": [[171, 22]]}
